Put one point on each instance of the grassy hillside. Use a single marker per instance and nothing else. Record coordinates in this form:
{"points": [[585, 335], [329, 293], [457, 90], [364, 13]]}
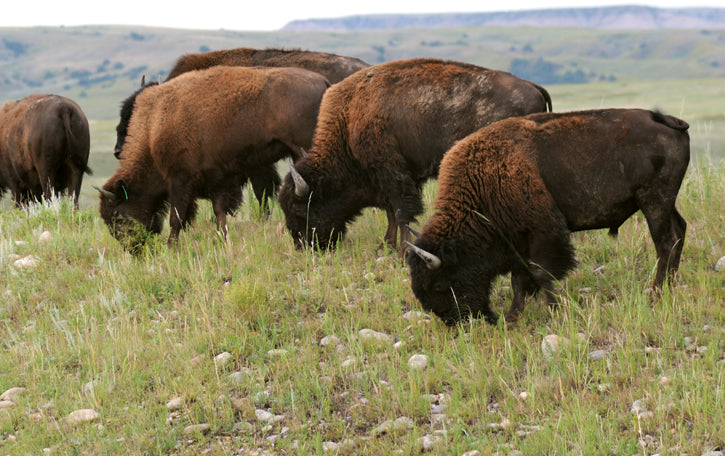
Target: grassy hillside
{"points": [[100, 65]]}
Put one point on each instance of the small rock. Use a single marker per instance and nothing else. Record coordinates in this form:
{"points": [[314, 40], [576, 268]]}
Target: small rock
{"points": [[472, 453], [175, 403], [261, 398], [399, 424], [277, 352], [12, 393], [398, 345], [552, 344], [45, 236], [714, 453], [89, 387], [597, 355], [267, 417], [418, 362], [82, 416], [222, 358], [414, 316], [332, 340], [720, 265], [604, 387], [369, 334], [330, 447], [349, 362], [505, 423], [6, 404], [238, 376], [428, 442], [640, 409], [523, 395], [27, 263], [192, 429]]}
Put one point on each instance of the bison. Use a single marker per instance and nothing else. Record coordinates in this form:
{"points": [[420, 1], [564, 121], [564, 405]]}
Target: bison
{"points": [[198, 136], [381, 134], [335, 68], [44, 147], [510, 194]]}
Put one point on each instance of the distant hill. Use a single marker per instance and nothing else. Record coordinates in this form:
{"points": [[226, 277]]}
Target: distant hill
{"points": [[615, 17]]}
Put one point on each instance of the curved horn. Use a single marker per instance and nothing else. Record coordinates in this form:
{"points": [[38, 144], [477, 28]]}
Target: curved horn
{"points": [[143, 80], [413, 231], [304, 152], [301, 187], [432, 261], [105, 193]]}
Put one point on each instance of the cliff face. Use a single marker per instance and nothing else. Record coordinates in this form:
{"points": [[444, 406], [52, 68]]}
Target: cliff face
{"points": [[615, 17]]}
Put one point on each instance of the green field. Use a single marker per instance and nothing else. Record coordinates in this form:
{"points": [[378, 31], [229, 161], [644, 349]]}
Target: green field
{"points": [[237, 337]]}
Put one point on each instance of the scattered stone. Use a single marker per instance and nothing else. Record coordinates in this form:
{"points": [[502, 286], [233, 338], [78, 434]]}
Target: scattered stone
{"points": [[399, 424], [82, 416], [640, 409], [6, 404], [238, 376], [12, 393], [222, 358], [267, 417], [45, 236], [428, 442], [716, 452], [89, 387], [349, 362], [332, 340], [418, 362], [201, 428], [369, 334], [552, 345], [415, 316], [472, 453], [523, 395], [720, 265], [505, 423], [330, 447], [398, 345], [261, 398], [597, 355], [175, 403], [28, 262], [604, 387]]}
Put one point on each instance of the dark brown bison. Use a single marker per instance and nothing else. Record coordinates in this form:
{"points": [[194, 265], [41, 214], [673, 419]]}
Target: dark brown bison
{"points": [[265, 181], [198, 136], [381, 134], [510, 194], [44, 147]]}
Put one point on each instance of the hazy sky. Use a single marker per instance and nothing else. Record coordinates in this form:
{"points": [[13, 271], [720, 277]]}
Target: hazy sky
{"points": [[263, 15]]}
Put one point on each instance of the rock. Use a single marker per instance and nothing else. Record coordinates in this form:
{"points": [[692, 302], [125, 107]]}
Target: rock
{"points": [[28, 262], [330, 447], [261, 398], [640, 409], [277, 353], [597, 355], [45, 236], [399, 424], [523, 395], [175, 403], [238, 376], [720, 265], [716, 452], [222, 358], [331, 340], [428, 442], [201, 428], [12, 393], [415, 316], [6, 404], [472, 453], [418, 362], [82, 416], [267, 417], [349, 362], [552, 345], [369, 335]]}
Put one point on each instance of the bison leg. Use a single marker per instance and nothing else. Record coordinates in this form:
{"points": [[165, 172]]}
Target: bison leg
{"points": [[523, 285], [183, 210], [226, 203], [668, 234], [265, 183]]}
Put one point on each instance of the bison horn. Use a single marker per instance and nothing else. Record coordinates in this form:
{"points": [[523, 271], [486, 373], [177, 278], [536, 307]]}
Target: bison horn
{"points": [[301, 187], [105, 193], [143, 80], [432, 261], [413, 231]]}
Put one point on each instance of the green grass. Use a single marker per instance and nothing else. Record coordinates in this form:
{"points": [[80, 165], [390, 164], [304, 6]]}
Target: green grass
{"points": [[146, 329]]}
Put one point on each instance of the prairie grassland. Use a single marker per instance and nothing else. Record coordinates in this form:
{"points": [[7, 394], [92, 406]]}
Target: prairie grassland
{"points": [[91, 327]]}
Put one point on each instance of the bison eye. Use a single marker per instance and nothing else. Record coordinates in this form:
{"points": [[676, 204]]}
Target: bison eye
{"points": [[441, 286]]}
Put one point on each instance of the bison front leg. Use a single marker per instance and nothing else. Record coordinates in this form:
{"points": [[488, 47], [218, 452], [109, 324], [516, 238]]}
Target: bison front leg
{"points": [[522, 285], [668, 234], [226, 203], [182, 213]]}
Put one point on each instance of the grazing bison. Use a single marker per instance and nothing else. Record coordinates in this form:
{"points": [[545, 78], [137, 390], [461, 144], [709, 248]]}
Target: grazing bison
{"points": [[335, 68], [44, 147], [199, 136], [510, 194], [381, 134]]}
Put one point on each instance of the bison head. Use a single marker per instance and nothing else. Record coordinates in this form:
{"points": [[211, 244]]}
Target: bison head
{"points": [[316, 214], [129, 217], [449, 281]]}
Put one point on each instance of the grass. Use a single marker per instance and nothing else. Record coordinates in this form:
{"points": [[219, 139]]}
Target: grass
{"points": [[94, 327]]}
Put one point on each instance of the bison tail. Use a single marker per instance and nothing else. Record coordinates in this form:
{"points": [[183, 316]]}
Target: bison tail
{"points": [[78, 140], [544, 93], [670, 121]]}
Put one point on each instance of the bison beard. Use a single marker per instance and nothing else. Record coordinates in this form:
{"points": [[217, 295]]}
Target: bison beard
{"points": [[510, 194], [381, 135]]}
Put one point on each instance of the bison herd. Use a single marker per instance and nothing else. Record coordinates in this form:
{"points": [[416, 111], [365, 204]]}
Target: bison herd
{"points": [[515, 178]]}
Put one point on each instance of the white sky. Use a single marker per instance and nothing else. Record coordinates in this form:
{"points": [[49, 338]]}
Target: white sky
{"points": [[262, 14]]}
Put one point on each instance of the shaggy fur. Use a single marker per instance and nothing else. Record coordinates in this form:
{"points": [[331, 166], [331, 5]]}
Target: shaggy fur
{"points": [[44, 147], [382, 133], [199, 136], [510, 194]]}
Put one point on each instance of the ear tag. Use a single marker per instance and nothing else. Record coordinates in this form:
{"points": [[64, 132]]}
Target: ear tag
{"points": [[124, 192]]}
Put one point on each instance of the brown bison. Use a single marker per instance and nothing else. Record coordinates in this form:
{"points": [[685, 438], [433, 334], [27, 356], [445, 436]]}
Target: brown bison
{"points": [[198, 136], [510, 194], [44, 147], [381, 134], [265, 181]]}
